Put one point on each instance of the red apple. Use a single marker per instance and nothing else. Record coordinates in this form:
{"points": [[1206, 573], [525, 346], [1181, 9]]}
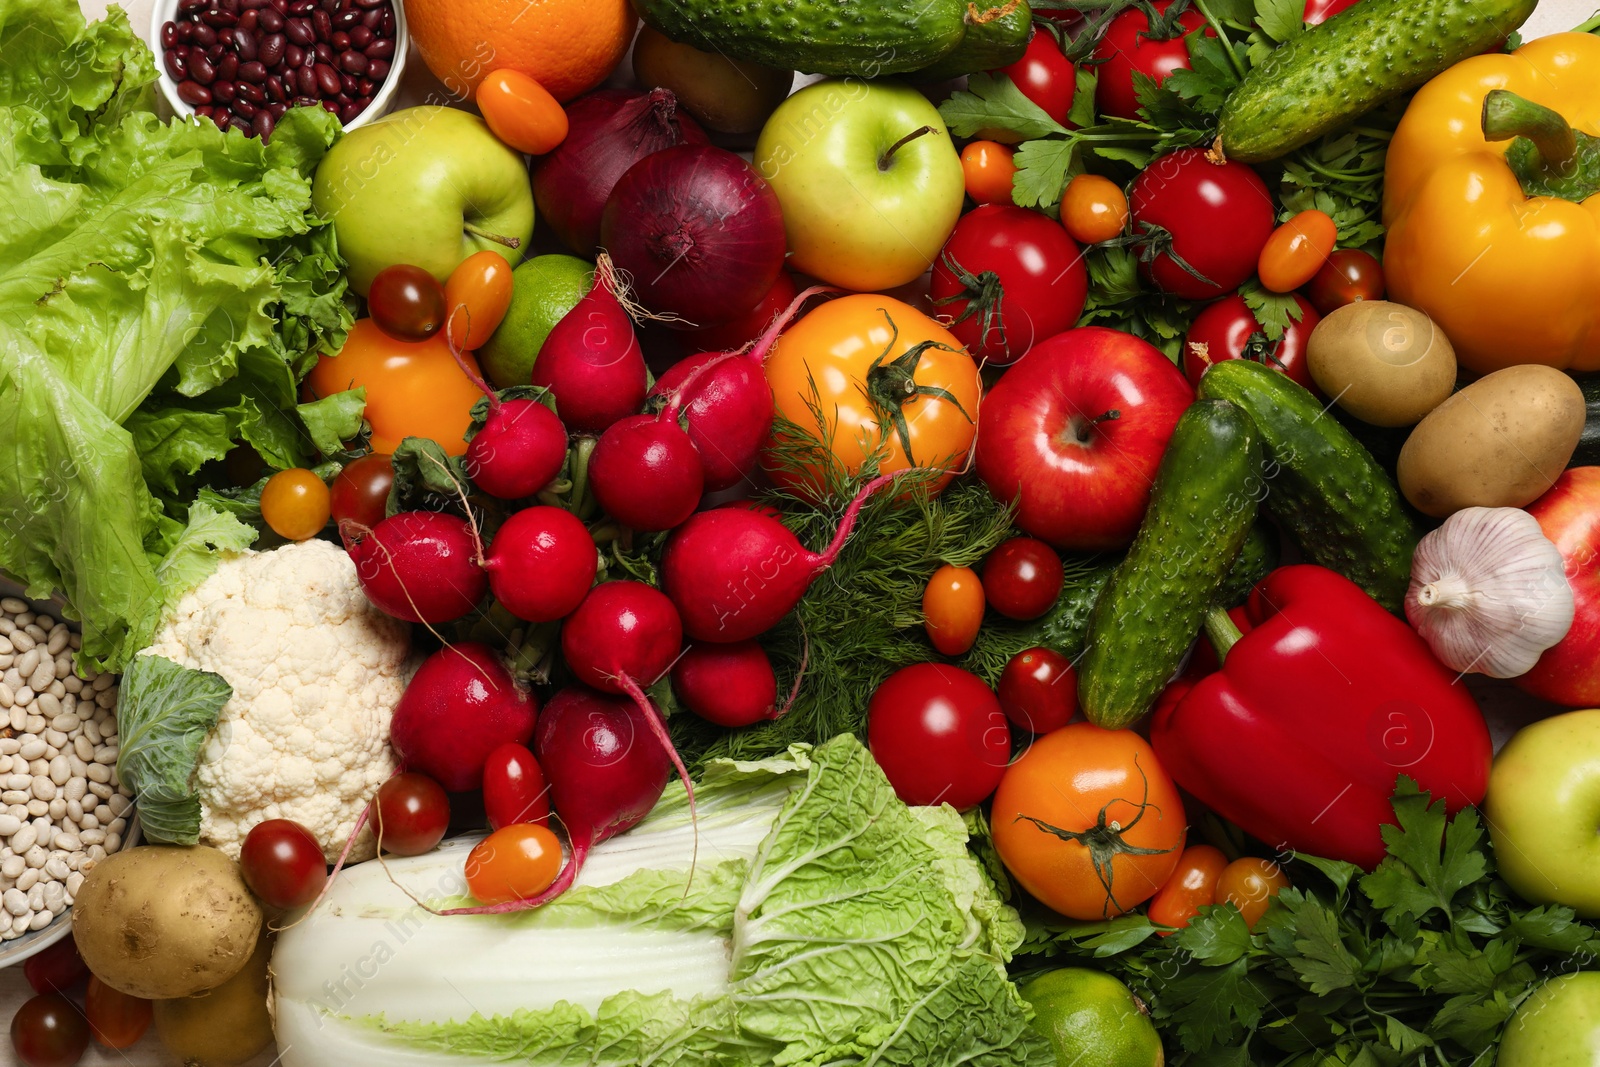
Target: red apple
{"points": [[1569, 514], [1074, 432]]}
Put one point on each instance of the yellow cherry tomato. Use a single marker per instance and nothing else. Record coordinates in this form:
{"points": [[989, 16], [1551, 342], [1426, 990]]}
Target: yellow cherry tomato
{"points": [[513, 863], [521, 112], [1249, 884], [476, 297], [988, 169], [296, 504], [952, 609], [1093, 209], [1296, 251]]}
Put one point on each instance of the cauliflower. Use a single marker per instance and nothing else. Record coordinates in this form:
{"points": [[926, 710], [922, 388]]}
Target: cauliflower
{"points": [[316, 672]]}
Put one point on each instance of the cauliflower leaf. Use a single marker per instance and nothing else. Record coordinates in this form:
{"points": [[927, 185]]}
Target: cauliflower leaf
{"points": [[164, 713]]}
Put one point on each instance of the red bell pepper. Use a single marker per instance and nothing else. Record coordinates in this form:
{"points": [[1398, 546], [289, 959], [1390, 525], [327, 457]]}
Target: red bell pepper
{"points": [[1300, 736]]}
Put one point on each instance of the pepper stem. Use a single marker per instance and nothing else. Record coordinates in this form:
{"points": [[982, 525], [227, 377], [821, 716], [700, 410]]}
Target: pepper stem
{"points": [[1507, 116], [1222, 632]]}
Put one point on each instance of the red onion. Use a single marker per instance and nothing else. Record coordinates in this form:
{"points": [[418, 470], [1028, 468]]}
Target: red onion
{"points": [[607, 132], [700, 232]]}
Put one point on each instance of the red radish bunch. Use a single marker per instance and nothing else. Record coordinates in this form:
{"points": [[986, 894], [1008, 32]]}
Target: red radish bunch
{"points": [[730, 685], [646, 473], [518, 450], [459, 707], [541, 563], [591, 359], [420, 566]]}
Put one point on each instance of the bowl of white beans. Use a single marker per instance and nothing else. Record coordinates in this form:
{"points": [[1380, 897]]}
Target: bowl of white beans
{"points": [[62, 807]]}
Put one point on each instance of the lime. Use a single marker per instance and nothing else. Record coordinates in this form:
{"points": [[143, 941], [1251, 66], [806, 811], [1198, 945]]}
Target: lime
{"points": [[1090, 1017], [543, 290]]}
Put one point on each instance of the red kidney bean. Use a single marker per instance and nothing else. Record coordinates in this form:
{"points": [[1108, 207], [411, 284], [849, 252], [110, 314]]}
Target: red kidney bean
{"points": [[244, 42], [360, 37], [330, 106], [302, 7], [189, 7], [169, 34], [201, 69], [275, 90], [300, 32], [262, 125], [309, 58], [321, 24], [373, 19], [244, 109], [269, 20], [371, 4], [324, 53], [382, 48], [177, 62], [225, 36], [330, 6], [327, 78], [270, 50], [219, 18], [293, 55], [364, 102], [185, 31], [214, 53], [307, 81], [203, 111], [346, 19], [250, 19], [223, 91], [228, 67], [193, 93], [221, 119], [348, 113], [253, 93], [364, 86], [204, 35], [378, 69], [353, 63], [305, 101], [280, 6], [339, 42], [253, 71], [230, 6], [347, 86]]}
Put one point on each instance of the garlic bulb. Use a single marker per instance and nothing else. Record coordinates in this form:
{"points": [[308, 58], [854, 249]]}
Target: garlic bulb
{"points": [[1489, 592]]}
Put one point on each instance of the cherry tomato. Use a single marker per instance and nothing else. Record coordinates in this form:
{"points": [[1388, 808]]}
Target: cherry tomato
{"points": [[55, 969], [521, 112], [1192, 886], [1349, 275], [406, 302], [1249, 884], [1320, 11], [1009, 278], [1215, 217], [939, 735], [1296, 251], [116, 1019], [952, 609], [49, 1031], [514, 789], [1093, 209], [413, 390], [360, 492], [1044, 75], [296, 504], [476, 297], [1130, 44], [513, 863], [1022, 578], [747, 327], [411, 815], [283, 864], [1228, 329], [1039, 690], [988, 169]]}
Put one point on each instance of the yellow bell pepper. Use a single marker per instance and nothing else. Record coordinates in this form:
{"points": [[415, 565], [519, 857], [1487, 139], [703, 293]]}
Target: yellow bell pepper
{"points": [[1497, 236]]}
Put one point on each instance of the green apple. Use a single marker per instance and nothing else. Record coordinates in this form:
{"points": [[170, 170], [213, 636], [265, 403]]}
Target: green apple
{"points": [[1543, 811], [869, 182], [1559, 1026], [427, 186]]}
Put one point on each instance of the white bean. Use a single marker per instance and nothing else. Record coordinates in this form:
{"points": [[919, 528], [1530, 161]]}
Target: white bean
{"points": [[34, 630], [13, 866], [90, 821], [14, 605], [43, 677], [24, 838], [107, 699], [33, 723], [78, 766], [106, 754], [74, 883], [59, 636], [55, 739], [117, 825], [37, 807], [65, 722], [10, 745], [57, 688], [57, 808], [91, 735], [75, 861], [75, 788], [27, 879], [83, 746], [8, 697], [92, 836], [56, 867], [5, 763], [36, 898], [97, 853], [35, 857], [19, 811], [22, 641], [49, 706], [28, 662], [119, 805], [99, 774], [14, 796], [15, 901], [9, 825], [32, 747], [74, 805], [18, 717], [60, 770], [40, 920], [44, 789], [71, 685], [6, 647], [99, 789], [68, 842], [18, 781], [54, 894]]}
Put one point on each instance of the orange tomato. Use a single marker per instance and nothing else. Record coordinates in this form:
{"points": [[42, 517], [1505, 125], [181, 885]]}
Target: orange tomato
{"points": [[952, 609], [296, 504], [1296, 251], [1088, 821], [413, 390], [1249, 884], [1093, 209], [1192, 886], [513, 863], [988, 168], [521, 112], [476, 297], [116, 1019], [887, 381]]}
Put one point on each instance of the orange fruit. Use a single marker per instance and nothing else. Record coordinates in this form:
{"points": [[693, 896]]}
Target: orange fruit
{"points": [[567, 46]]}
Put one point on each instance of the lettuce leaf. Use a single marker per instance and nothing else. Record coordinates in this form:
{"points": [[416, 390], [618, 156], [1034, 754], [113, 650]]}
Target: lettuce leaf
{"points": [[165, 711]]}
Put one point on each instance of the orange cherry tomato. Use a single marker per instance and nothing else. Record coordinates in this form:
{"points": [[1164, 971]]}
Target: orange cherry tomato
{"points": [[1296, 251], [1192, 886], [1093, 209], [952, 609], [513, 863], [1249, 884], [296, 504], [116, 1019], [988, 168], [476, 298], [413, 390], [521, 112]]}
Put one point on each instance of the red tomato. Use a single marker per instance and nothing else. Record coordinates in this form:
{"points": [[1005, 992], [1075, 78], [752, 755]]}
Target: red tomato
{"points": [[1296, 251], [55, 969], [406, 302], [296, 504], [521, 112], [49, 1031], [747, 327], [1215, 217], [1320, 11], [1349, 275], [283, 864], [514, 863], [360, 491], [1132, 44], [116, 1019], [987, 168], [1009, 277], [1039, 690], [1192, 886], [1249, 884], [952, 609], [1227, 329], [939, 735], [411, 815], [514, 789], [1022, 578], [1046, 76], [1093, 209]]}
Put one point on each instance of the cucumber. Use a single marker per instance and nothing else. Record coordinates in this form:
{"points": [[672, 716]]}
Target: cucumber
{"points": [[1202, 507], [1257, 558], [864, 38], [996, 37], [1322, 486], [1330, 75], [1587, 454]]}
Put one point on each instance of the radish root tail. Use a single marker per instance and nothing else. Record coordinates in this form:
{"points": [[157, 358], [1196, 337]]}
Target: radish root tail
{"points": [[658, 727]]}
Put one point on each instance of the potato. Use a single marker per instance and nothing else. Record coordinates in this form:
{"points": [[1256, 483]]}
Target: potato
{"points": [[1500, 442], [163, 921], [223, 1026], [726, 95], [1384, 363]]}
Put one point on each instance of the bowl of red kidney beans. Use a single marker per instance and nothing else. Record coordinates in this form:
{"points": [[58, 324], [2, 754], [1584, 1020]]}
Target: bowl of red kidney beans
{"points": [[243, 63]]}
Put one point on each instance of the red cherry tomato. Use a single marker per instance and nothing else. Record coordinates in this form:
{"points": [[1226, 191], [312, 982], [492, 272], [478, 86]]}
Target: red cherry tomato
{"points": [[406, 302], [1044, 75], [1022, 578], [1227, 329], [952, 609], [1296, 251], [1349, 275], [55, 969], [1192, 886], [476, 296], [49, 1031], [514, 789], [521, 112], [283, 864], [116, 1019], [1093, 209], [1218, 216], [411, 815], [360, 492], [747, 327], [988, 169], [1320, 11], [1130, 44], [1039, 690], [296, 504], [514, 863], [939, 735], [1249, 884]]}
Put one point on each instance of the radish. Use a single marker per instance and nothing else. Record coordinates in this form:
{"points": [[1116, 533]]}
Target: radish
{"points": [[420, 566], [730, 685], [646, 473], [460, 706], [591, 359], [734, 572], [518, 450], [541, 563]]}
